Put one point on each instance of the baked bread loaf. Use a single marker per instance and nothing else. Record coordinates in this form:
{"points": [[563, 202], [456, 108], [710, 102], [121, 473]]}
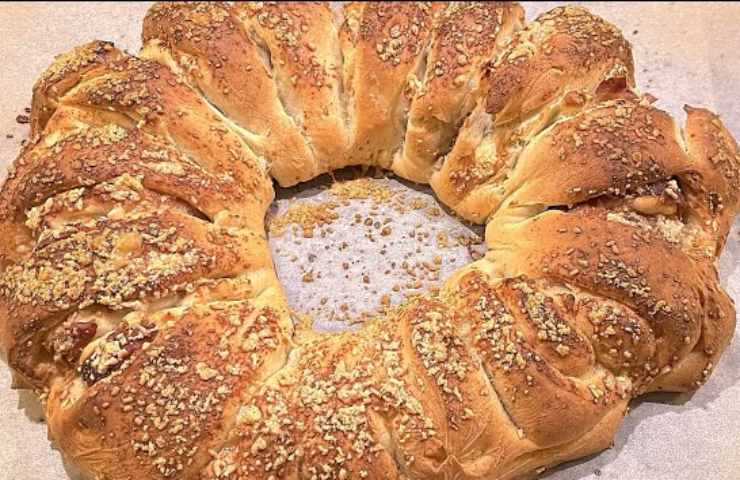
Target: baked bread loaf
{"points": [[138, 296]]}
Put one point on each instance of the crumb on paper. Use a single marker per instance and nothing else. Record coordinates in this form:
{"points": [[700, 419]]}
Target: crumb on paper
{"points": [[364, 247]]}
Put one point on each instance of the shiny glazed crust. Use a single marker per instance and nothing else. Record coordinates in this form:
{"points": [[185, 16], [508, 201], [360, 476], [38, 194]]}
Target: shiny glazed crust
{"points": [[138, 297]]}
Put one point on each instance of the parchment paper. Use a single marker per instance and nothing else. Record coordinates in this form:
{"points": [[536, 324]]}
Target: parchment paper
{"points": [[684, 52]]}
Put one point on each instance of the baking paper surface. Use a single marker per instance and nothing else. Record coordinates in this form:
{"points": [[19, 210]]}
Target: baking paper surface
{"points": [[684, 53]]}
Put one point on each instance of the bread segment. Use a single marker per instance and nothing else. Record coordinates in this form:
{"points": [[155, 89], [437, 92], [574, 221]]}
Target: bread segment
{"points": [[384, 46], [211, 47], [301, 40], [548, 71], [466, 35], [160, 410]]}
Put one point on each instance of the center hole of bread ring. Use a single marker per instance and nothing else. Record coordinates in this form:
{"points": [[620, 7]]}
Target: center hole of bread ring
{"points": [[349, 248]]}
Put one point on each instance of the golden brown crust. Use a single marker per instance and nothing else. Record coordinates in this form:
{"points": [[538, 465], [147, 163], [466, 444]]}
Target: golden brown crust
{"points": [[465, 35], [138, 297], [62, 75], [566, 43], [382, 44], [209, 45], [619, 258], [535, 354], [715, 177], [614, 149], [113, 245], [174, 396], [303, 45], [549, 70], [85, 155], [137, 93]]}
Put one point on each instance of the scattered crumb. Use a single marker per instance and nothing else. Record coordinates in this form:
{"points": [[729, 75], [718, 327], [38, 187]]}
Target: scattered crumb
{"points": [[362, 188], [307, 215], [388, 256]]}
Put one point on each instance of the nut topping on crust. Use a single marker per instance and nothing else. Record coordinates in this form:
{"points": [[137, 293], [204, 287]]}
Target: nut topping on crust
{"points": [[138, 296]]}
